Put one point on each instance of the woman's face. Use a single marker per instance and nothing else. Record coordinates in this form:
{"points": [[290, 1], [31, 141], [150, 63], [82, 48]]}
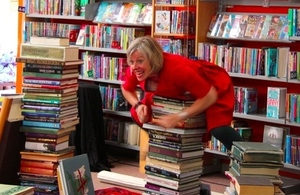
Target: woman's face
{"points": [[139, 65]]}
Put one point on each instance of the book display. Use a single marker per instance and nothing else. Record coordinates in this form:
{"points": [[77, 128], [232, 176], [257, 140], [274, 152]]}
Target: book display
{"points": [[50, 111], [259, 52]]}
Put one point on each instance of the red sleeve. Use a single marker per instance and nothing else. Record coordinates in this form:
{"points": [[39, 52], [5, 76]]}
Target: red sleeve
{"points": [[130, 80]]}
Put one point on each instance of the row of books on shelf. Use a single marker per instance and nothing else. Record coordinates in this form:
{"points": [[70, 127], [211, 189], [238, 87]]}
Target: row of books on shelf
{"points": [[277, 62], [64, 8], [51, 29], [250, 26], [175, 22], [103, 67], [176, 2], [184, 47], [121, 131], [124, 13], [108, 36]]}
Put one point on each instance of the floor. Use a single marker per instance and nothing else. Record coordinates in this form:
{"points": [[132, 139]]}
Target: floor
{"points": [[128, 164]]}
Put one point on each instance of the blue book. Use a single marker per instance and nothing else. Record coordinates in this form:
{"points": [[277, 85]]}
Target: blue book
{"points": [[276, 97]]}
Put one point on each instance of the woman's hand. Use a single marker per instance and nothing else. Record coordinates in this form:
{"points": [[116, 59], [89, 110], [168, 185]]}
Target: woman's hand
{"points": [[167, 121], [142, 113]]}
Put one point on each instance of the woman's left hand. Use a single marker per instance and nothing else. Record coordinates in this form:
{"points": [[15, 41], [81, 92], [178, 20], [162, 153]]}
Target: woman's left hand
{"points": [[166, 121]]}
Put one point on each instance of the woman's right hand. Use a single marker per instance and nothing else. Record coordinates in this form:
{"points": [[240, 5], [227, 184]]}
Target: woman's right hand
{"points": [[142, 113]]}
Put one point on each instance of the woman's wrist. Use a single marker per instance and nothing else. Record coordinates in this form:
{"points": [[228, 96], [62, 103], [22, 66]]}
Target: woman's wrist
{"points": [[183, 115], [137, 105]]}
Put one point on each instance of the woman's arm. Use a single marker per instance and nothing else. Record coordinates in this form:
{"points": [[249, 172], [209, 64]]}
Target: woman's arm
{"points": [[199, 106], [140, 109]]}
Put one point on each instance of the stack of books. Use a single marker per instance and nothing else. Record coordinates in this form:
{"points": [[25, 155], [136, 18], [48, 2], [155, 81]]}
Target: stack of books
{"points": [[255, 164], [50, 110], [174, 162]]}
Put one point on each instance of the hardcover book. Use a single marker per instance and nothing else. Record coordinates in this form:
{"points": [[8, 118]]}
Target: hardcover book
{"points": [[7, 189], [62, 53], [276, 100], [250, 100], [57, 41], [162, 21], [257, 152], [75, 173], [275, 135], [33, 60]]}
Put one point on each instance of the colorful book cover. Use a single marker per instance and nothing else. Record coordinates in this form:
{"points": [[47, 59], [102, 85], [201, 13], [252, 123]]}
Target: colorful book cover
{"points": [[216, 25], [235, 29], [222, 25], [259, 26], [274, 28], [253, 21], [243, 25], [276, 97], [283, 33], [266, 26], [250, 100], [228, 25], [76, 175], [162, 21]]}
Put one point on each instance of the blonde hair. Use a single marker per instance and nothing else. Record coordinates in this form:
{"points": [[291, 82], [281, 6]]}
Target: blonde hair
{"points": [[150, 49]]}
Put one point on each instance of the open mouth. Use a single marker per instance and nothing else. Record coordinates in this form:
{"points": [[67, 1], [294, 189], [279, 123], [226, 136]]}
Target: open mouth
{"points": [[139, 73]]}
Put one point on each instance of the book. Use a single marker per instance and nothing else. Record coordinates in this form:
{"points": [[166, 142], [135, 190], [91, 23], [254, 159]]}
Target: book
{"points": [[276, 101], [46, 156], [250, 100], [255, 168], [159, 189], [37, 170], [38, 164], [49, 83], [162, 21], [10, 189], [235, 29], [48, 52], [43, 130], [47, 147], [228, 26], [222, 26], [266, 26], [58, 125], [175, 130], [121, 180], [76, 175], [256, 152], [177, 153], [254, 185], [259, 26], [180, 166], [49, 70], [57, 41], [50, 75], [172, 174], [275, 135], [47, 139], [253, 21], [216, 25], [33, 60]]}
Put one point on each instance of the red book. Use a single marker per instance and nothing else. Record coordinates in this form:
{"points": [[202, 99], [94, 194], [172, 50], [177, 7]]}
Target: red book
{"points": [[39, 164], [40, 171]]}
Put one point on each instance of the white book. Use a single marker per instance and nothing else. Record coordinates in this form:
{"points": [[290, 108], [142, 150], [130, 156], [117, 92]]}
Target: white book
{"points": [[162, 21]]}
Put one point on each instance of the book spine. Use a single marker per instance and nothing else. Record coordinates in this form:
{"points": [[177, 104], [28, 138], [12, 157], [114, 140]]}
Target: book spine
{"points": [[43, 66], [40, 135], [38, 164], [164, 151], [41, 139], [40, 61], [40, 146], [35, 170], [38, 130], [163, 137], [41, 82], [162, 172], [161, 189], [43, 70], [42, 75]]}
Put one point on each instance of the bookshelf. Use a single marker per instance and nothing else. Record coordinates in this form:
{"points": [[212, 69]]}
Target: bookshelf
{"points": [[185, 23], [262, 82]]}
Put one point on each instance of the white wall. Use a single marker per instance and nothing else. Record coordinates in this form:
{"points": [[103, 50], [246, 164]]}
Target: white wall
{"points": [[9, 24]]}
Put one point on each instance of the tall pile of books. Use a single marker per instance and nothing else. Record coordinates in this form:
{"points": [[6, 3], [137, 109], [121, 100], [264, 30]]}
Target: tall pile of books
{"points": [[254, 164], [50, 110], [174, 162]]}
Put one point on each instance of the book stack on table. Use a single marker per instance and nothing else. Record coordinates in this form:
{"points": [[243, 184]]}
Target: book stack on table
{"points": [[174, 162], [50, 110], [254, 169]]}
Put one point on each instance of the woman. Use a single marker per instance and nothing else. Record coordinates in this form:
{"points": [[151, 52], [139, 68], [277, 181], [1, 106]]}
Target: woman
{"points": [[168, 75]]}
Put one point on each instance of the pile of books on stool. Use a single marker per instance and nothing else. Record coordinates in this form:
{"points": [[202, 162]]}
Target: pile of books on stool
{"points": [[174, 162], [254, 169], [50, 110]]}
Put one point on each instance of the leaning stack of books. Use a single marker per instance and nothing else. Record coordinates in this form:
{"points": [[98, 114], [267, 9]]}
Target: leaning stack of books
{"points": [[251, 162], [50, 110], [174, 162]]}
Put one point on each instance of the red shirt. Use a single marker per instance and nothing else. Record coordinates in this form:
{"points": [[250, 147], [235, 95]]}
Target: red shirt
{"points": [[180, 75]]}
